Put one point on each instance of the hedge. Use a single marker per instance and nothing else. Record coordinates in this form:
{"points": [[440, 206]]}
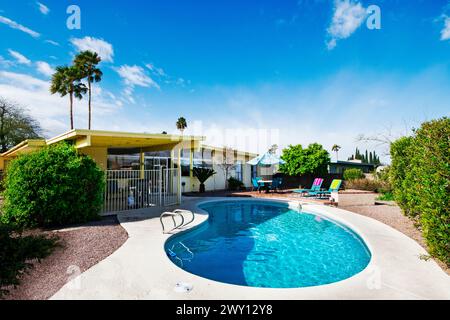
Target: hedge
{"points": [[353, 174], [52, 187], [420, 176]]}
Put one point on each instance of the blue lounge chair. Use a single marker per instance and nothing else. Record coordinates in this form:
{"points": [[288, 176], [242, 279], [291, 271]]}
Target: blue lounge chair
{"points": [[255, 184], [317, 184]]}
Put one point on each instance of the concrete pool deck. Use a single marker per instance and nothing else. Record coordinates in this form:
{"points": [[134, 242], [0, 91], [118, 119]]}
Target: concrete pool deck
{"points": [[140, 269]]}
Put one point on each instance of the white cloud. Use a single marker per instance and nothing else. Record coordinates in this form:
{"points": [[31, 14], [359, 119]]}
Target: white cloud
{"points": [[43, 8], [347, 18], [20, 58], [52, 42], [104, 49], [445, 32], [17, 26], [135, 76], [44, 68]]}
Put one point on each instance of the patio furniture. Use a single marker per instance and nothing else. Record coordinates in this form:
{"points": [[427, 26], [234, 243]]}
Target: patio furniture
{"points": [[265, 184], [255, 183], [276, 184], [317, 184], [334, 187]]}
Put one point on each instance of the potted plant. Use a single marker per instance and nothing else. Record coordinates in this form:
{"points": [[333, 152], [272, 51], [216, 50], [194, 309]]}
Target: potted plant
{"points": [[203, 174]]}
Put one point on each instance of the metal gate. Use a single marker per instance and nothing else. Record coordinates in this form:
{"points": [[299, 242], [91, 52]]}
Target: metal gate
{"points": [[136, 189]]}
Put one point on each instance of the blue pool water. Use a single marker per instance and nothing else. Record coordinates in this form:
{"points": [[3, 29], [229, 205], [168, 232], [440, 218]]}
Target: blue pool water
{"points": [[265, 244]]}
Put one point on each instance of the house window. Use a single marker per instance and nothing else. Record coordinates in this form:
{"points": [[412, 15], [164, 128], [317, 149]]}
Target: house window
{"points": [[203, 159], [124, 159], [185, 162], [157, 160], [238, 170]]}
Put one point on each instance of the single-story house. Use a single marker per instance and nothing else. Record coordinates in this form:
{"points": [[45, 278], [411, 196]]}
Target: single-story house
{"points": [[341, 166], [147, 169]]}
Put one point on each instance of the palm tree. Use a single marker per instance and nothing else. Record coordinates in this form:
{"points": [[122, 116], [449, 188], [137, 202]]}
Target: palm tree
{"points": [[87, 62], [181, 124], [202, 174], [336, 149], [66, 81]]}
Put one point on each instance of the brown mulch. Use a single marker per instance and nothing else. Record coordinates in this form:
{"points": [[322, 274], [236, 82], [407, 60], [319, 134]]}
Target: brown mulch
{"points": [[80, 246]]}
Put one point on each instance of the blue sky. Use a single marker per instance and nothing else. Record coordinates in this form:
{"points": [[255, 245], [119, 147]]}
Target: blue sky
{"points": [[243, 73]]}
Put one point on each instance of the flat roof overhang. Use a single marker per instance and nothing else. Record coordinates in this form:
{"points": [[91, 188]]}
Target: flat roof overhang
{"points": [[23, 147], [114, 139]]}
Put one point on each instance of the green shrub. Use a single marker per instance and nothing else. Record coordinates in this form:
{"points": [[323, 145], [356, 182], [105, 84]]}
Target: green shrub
{"points": [[51, 187], [17, 253], [388, 196], [420, 175], [365, 184], [235, 184], [353, 174]]}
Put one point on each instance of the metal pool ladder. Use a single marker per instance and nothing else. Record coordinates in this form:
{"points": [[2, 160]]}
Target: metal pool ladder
{"points": [[173, 215]]}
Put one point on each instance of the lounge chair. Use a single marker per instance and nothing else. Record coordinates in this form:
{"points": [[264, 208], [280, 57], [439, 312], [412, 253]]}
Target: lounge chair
{"points": [[317, 184], [334, 187], [255, 184]]}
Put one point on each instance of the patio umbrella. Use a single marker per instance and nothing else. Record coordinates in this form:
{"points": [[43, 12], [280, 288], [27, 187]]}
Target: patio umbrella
{"points": [[266, 159]]}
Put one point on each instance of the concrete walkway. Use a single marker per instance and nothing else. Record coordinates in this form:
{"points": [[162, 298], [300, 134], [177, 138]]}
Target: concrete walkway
{"points": [[140, 269]]}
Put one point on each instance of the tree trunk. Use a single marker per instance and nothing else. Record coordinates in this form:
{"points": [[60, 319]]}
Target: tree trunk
{"points": [[90, 117], [71, 111], [202, 188]]}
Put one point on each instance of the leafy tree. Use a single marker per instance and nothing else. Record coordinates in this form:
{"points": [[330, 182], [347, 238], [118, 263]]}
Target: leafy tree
{"points": [[16, 125], [299, 161], [181, 124], [67, 81], [336, 149], [86, 62], [203, 174]]}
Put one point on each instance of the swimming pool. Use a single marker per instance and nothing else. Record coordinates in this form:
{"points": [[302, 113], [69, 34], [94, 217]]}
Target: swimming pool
{"points": [[267, 244]]}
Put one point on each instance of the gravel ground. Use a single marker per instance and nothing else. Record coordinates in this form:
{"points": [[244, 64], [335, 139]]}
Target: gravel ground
{"points": [[393, 216], [80, 246]]}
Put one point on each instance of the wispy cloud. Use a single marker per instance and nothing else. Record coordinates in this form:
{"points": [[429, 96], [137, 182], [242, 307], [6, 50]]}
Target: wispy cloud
{"points": [[44, 68], [155, 70], [5, 63], [18, 26], [52, 42], [135, 76], [104, 49], [347, 18], [20, 58], [163, 77], [43, 8], [445, 32]]}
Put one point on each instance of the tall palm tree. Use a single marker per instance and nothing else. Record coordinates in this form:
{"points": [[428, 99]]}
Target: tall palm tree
{"points": [[87, 62], [66, 81], [336, 149], [181, 124]]}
